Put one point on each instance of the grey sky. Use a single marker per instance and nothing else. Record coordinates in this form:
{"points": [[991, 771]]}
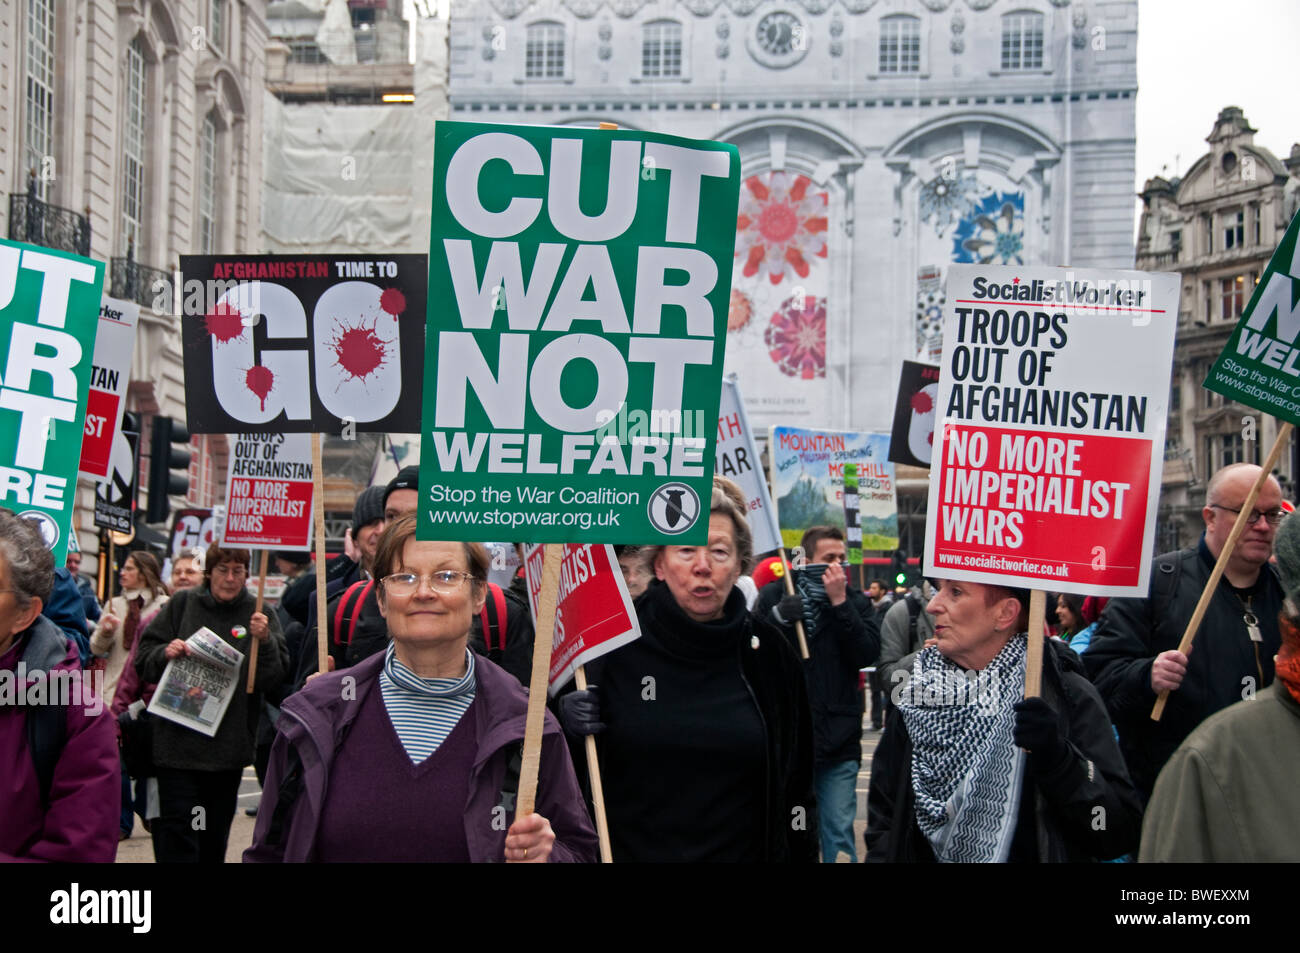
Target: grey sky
{"points": [[1197, 56]]}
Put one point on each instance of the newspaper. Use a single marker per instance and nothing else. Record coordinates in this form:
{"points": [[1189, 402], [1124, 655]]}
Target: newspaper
{"points": [[195, 690]]}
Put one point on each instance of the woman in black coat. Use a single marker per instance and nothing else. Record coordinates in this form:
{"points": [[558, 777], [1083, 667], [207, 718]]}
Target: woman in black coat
{"points": [[705, 738]]}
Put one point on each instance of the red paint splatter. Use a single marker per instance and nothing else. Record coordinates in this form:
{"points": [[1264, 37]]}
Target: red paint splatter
{"points": [[921, 402], [392, 301], [358, 350], [224, 322], [929, 438], [259, 380]]}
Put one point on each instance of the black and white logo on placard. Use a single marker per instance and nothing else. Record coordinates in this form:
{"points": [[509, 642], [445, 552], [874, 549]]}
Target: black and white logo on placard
{"points": [[674, 508], [48, 529]]}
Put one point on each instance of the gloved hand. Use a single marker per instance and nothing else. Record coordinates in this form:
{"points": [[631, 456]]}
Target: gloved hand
{"points": [[1039, 730], [580, 713], [789, 610]]}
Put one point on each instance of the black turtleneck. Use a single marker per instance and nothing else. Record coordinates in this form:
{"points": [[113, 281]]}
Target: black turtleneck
{"points": [[683, 757]]}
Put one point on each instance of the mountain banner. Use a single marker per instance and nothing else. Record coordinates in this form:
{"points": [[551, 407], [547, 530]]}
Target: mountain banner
{"points": [[808, 483]]}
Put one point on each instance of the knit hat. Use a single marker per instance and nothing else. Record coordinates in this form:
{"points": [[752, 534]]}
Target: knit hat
{"points": [[1286, 548], [368, 507], [408, 478], [297, 557]]}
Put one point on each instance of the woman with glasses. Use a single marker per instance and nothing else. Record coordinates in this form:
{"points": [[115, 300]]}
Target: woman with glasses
{"points": [[193, 770], [412, 755], [704, 734]]}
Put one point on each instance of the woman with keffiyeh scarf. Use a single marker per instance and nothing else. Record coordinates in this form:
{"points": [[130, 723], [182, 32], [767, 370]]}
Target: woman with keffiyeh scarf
{"points": [[968, 770]]}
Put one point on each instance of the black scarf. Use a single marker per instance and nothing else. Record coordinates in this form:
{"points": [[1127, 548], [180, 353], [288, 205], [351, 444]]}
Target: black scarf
{"points": [[683, 636]]}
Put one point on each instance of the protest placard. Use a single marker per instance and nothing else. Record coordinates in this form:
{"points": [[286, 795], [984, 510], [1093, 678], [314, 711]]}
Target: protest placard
{"points": [[303, 344], [191, 529], [574, 359], [593, 614], [737, 459], [1260, 366], [808, 482], [1053, 400], [49, 315], [915, 414], [852, 524], [110, 371], [115, 496], [269, 492]]}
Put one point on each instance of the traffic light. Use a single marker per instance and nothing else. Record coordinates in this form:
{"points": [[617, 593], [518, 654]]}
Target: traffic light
{"points": [[898, 567], [164, 459]]}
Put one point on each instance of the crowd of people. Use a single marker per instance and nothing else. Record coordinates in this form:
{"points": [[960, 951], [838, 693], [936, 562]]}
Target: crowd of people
{"points": [[730, 731]]}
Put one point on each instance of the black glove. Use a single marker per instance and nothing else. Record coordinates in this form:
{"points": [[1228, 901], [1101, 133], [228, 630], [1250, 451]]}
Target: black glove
{"points": [[1039, 730], [580, 713], [788, 610]]}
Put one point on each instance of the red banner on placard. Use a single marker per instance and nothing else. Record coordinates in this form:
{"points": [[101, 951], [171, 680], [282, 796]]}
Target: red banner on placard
{"points": [[269, 513], [1053, 506], [593, 613]]}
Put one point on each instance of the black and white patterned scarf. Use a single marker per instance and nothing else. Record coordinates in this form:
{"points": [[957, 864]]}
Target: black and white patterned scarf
{"points": [[966, 768], [811, 587]]}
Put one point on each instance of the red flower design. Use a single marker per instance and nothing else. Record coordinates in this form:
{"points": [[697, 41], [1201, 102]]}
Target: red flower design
{"points": [[796, 337], [780, 226]]}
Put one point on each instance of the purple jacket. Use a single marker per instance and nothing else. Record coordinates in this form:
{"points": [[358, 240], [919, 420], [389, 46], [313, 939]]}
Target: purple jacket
{"points": [[314, 721], [81, 823]]}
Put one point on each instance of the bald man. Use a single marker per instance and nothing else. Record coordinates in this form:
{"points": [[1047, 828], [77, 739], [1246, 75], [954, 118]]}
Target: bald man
{"points": [[1134, 653]]}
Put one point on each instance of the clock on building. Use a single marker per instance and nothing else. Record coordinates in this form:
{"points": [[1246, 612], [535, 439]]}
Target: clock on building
{"points": [[780, 39]]}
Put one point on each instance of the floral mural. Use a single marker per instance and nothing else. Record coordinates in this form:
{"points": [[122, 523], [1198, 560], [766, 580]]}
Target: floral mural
{"points": [[777, 322], [994, 234], [781, 226], [796, 337]]}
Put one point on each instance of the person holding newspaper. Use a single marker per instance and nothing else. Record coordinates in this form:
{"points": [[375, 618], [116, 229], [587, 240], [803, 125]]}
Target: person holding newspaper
{"points": [[198, 775], [413, 754]]}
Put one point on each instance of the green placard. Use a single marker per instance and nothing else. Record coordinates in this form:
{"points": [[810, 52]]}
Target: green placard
{"points": [[1260, 366], [49, 313], [852, 527], [579, 281]]}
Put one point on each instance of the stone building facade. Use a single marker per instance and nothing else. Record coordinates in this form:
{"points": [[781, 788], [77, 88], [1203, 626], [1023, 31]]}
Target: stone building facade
{"points": [[1217, 226], [130, 132], [880, 141]]}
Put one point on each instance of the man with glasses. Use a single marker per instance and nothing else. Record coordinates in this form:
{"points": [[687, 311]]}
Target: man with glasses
{"points": [[1134, 653], [840, 625]]}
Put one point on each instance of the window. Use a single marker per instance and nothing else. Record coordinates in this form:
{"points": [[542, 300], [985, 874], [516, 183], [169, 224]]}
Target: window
{"points": [[1234, 230], [900, 45], [661, 49], [1223, 450], [39, 134], [217, 25], [1208, 294], [305, 50], [208, 188], [133, 147], [1254, 218], [544, 51], [1175, 245], [1209, 234], [1232, 293], [1022, 41]]}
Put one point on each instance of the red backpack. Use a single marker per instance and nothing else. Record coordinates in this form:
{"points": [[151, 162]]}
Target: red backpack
{"points": [[493, 621]]}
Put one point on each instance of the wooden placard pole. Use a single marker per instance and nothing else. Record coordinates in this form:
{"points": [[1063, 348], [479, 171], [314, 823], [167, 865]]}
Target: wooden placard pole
{"points": [[318, 507], [597, 790], [1238, 528], [552, 556], [261, 590], [789, 591], [1034, 655]]}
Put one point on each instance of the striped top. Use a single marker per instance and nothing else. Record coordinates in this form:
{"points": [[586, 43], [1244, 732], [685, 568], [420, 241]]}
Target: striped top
{"points": [[424, 710]]}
